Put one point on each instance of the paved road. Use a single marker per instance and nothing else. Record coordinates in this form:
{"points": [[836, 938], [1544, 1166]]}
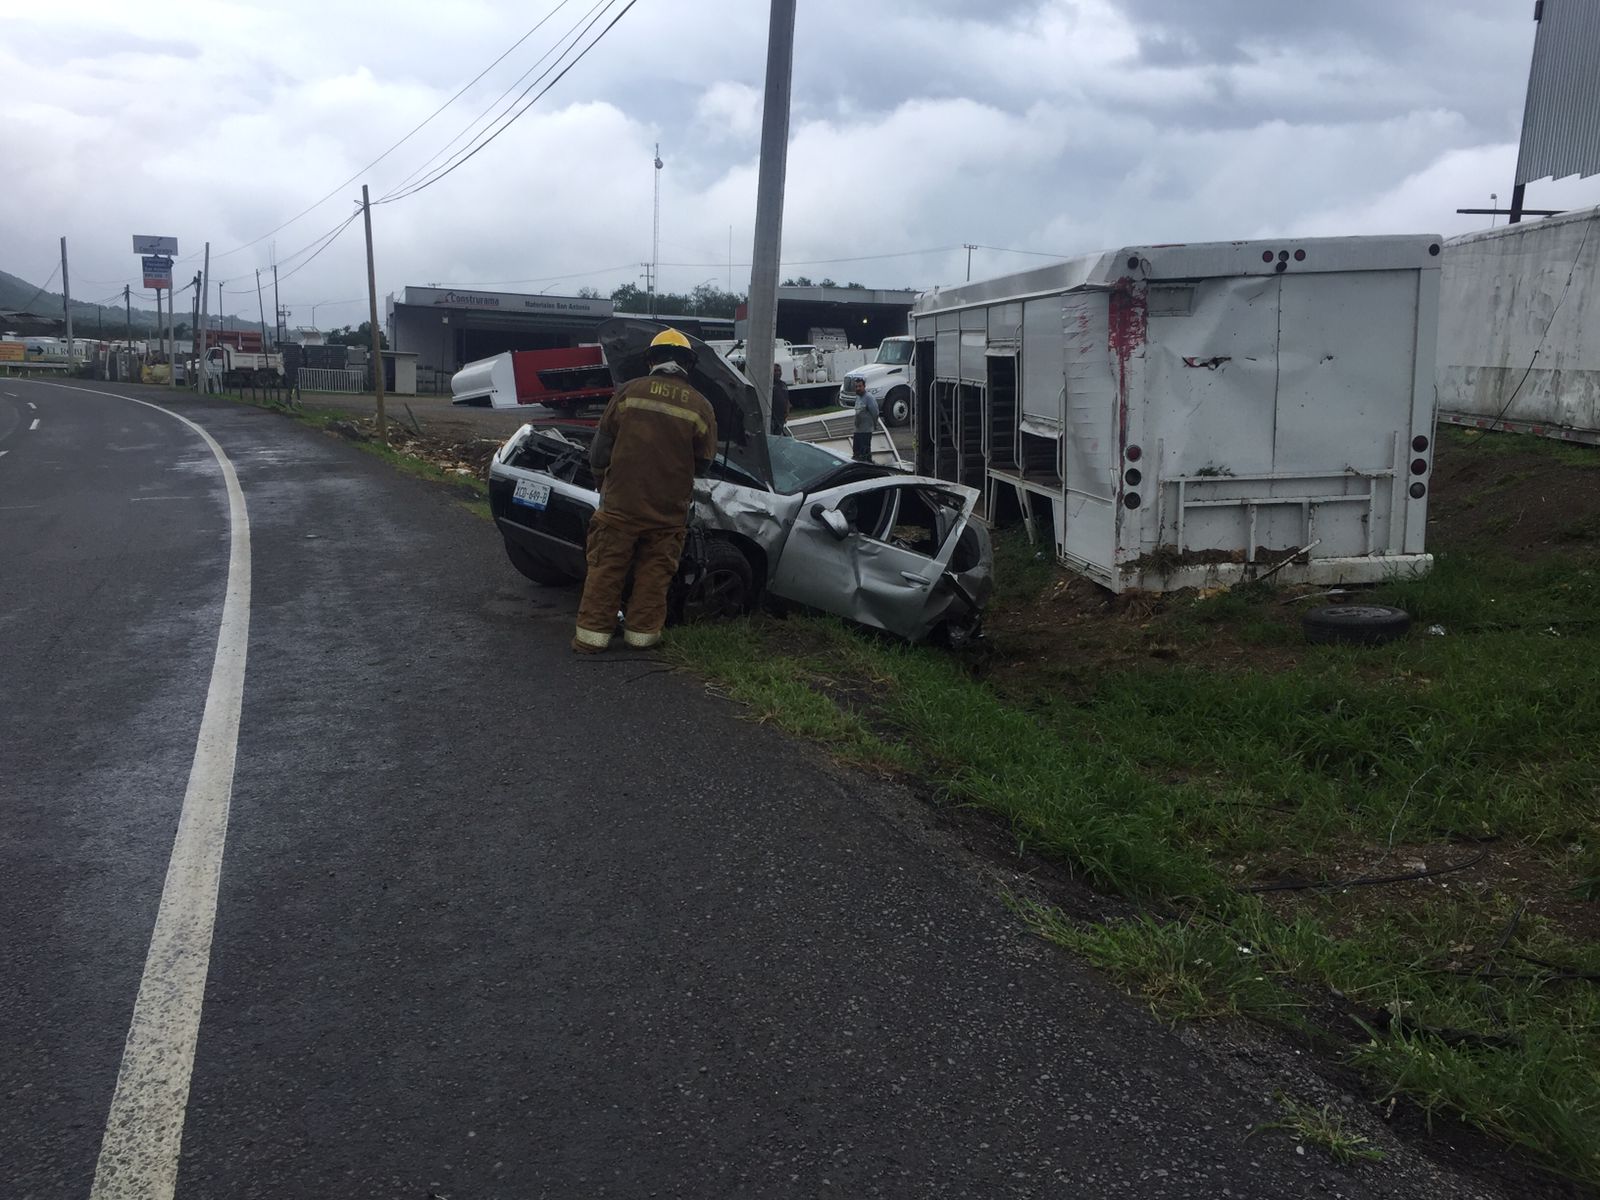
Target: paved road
{"points": [[495, 921]]}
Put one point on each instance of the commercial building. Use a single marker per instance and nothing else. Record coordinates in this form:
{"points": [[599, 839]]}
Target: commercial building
{"points": [[809, 316], [447, 328]]}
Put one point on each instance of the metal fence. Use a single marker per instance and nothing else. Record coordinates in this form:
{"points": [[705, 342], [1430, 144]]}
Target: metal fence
{"points": [[314, 380]]}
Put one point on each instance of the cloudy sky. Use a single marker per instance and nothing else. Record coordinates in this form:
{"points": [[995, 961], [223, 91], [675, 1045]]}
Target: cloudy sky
{"points": [[1051, 126]]}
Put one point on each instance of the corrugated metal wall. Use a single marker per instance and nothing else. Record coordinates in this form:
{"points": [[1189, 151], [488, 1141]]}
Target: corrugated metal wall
{"points": [[1561, 122]]}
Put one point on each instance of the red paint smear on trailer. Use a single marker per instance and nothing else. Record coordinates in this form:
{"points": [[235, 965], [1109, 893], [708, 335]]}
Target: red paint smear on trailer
{"points": [[1128, 326]]}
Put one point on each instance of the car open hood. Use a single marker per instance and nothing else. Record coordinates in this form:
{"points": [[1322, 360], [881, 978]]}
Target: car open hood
{"points": [[625, 341]]}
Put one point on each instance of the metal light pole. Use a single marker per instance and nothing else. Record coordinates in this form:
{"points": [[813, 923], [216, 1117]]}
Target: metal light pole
{"points": [[969, 248], [769, 207]]}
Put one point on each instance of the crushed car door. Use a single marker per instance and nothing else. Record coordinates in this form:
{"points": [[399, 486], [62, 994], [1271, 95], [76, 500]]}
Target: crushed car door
{"points": [[873, 551]]}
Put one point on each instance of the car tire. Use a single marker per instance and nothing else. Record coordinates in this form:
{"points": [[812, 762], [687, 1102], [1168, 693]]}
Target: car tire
{"points": [[725, 587], [536, 569], [897, 407], [1355, 624]]}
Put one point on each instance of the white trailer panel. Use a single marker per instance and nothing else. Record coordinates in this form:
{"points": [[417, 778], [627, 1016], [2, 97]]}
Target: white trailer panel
{"points": [[1195, 414], [1519, 327]]}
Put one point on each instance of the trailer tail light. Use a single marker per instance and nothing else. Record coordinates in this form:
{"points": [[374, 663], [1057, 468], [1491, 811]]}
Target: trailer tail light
{"points": [[1299, 256], [1131, 500], [1134, 453], [1419, 466], [1266, 256], [1134, 477], [1418, 491], [1419, 443]]}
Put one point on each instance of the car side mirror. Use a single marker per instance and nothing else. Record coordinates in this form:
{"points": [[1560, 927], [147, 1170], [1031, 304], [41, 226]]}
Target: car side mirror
{"points": [[833, 519]]}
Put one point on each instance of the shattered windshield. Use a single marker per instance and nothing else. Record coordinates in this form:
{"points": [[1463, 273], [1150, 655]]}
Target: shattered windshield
{"points": [[796, 465], [894, 354]]}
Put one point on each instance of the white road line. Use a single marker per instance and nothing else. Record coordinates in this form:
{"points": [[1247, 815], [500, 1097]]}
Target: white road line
{"points": [[32, 405], [144, 1132], [34, 426]]}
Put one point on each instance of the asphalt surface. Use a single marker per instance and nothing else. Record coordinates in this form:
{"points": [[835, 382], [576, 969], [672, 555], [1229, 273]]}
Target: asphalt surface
{"points": [[497, 921]]}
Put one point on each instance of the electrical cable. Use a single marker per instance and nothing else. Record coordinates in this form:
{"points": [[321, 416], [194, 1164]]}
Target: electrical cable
{"points": [[627, 266], [466, 130], [1571, 271], [1034, 253], [463, 158], [48, 280], [330, 239], [335, 191]]}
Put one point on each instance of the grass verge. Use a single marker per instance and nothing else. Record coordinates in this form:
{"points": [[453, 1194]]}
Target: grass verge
{"points": [[1471, 992]]}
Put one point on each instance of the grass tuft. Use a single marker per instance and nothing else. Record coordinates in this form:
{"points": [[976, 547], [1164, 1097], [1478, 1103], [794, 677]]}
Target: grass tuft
{"points": [[1325, 1129]]}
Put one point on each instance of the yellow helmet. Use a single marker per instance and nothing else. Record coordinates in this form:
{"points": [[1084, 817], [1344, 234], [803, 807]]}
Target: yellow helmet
{"points": [[670, 339]]}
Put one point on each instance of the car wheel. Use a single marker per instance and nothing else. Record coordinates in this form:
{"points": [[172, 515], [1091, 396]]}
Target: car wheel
{"points": [[725, 587], [897, 407], [536, 569], [1355, 624]]}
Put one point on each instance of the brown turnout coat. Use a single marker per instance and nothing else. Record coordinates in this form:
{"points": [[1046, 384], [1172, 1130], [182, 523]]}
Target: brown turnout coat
{"points": [[653, 434]]}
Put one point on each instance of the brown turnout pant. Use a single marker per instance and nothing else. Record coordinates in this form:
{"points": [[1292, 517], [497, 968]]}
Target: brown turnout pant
{"points": [[614, 547]]}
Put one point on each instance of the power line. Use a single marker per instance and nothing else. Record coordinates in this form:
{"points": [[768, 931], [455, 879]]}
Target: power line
{"points": [[444, 150], [335, 191], [331, 238], [40, 291], [461, 159]]}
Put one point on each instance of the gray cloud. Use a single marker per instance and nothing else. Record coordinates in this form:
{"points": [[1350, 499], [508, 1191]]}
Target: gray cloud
{"points": [[1065, 125]]}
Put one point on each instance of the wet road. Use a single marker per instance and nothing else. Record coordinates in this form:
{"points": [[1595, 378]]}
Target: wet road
{"points": [[494, 921]]}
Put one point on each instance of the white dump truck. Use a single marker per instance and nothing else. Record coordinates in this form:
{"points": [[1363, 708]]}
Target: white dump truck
{"points": [[240, 368], [1185, 415]]}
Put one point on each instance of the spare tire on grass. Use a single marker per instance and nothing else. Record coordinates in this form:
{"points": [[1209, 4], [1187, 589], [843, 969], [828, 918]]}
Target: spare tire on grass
{"points": [[1355, 624]]}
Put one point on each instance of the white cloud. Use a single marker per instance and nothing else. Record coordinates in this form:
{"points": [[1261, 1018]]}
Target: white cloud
{"points": [[1065, 125]]}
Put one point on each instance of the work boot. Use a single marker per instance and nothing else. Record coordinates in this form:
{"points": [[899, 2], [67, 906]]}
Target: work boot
{"points": [[587, 641], [640, 641]]}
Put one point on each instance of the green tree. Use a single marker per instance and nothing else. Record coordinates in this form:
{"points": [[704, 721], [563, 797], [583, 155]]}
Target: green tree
{"points": [[361, 335]]}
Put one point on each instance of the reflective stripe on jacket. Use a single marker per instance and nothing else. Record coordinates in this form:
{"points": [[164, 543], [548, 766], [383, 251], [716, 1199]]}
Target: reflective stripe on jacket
{"points": [[658, 428]]}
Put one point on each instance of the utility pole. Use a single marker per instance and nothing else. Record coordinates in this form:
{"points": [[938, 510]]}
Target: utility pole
{"points": [[158, 330], [969, 248], [194, 330], [220, 318], [127, 301], [277, 309], [261, 308], [202, 384], [769, 207], [655, 235], [66, 298], [172, 333], [372, 305]]}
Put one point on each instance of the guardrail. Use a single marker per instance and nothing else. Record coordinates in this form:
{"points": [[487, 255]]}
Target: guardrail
{"points": [[313, 379]]}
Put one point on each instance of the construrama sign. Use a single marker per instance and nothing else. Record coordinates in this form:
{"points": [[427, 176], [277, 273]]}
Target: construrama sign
{"points": [[507, 302]]}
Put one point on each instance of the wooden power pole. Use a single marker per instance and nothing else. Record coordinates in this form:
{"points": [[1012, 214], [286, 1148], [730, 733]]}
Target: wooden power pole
{"points": [[372, 307]]}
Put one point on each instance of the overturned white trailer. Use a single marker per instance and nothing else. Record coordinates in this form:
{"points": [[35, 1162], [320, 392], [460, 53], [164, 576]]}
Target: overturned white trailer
{"points": [[1519, 328], [1174, 416]]}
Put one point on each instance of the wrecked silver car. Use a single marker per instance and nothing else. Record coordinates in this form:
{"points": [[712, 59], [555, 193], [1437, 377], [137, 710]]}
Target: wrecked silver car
{"points": [[776, 519]]}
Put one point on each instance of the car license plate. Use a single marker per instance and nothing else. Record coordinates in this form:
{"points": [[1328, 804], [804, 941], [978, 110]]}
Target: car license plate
{"points": [[534, 495]]}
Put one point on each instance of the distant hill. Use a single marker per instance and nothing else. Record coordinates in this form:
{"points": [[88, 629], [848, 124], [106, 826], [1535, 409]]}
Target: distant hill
{"points": [[18, 295]]}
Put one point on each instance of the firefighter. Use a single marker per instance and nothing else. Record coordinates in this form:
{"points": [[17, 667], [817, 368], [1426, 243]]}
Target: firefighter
{"points": [[655, 436]]}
